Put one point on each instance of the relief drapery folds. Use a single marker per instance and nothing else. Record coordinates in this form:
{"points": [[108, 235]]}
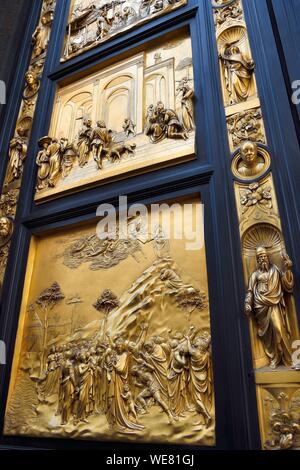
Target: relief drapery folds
{"points": [[269, 301], [265, 299], [53, 160], [237, 66]]}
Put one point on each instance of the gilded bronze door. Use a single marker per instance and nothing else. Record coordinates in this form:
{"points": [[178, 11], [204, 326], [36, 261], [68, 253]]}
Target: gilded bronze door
{"points": [[149, 228]]}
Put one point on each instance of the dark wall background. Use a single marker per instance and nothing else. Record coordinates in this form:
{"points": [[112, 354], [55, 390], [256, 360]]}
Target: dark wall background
{"points": [[13, 22]]}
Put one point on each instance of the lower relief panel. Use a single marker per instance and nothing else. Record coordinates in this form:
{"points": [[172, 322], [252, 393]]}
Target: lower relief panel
{"points": [[114, 337], [279, 408]]}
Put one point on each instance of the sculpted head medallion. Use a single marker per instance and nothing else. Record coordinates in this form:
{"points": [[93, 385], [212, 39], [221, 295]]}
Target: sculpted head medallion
{"points": [[250, 162], [6, 230]]}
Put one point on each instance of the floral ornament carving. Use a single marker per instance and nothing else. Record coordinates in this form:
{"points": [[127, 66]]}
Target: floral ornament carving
{"points": [[284, 421], [227, 11], [246, 125], [17, 154], [256, 195], [8, 203]]}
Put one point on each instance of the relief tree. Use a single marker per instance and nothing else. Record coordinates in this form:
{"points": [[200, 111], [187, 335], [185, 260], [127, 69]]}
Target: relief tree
{"points": [[106, 303], [47, 299]]}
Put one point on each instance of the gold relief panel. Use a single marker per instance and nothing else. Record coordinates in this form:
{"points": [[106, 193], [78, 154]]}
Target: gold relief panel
{"points": [[91, 22], [236, 65], [264, 255], [114, 337], [226, 11], [246, 125], [279, 410], [128, 117]]}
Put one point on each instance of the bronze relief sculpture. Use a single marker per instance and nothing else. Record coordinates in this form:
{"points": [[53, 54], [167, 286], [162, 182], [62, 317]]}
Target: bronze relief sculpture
{"points": [[32, 84], [238, 72], [114, 116], [91, 23], [163, 123], [269, 302], [19, 144], [105, 363], [251, 162], [41, 36], [17, 154], [55, 160], [265, 299], [6, 230]]}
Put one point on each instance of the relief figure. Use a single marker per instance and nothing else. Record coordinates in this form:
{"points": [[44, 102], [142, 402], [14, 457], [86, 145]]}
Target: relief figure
{"points": [[265, 300], [84, 142], [187, 106], [17, 154], [238, 69], [164, 123], [42, 161]]}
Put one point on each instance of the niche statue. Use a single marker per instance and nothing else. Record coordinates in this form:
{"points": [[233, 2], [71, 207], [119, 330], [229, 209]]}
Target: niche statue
{"points": [[265, 300]]}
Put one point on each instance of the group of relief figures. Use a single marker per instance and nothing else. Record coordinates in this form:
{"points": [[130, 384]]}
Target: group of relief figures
{"points": [[57, 157], [109, 18], [123, 379]]}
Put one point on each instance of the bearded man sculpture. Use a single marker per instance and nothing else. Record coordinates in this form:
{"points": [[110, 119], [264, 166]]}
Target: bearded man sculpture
{"points": [[265, 299], [6, 227]]}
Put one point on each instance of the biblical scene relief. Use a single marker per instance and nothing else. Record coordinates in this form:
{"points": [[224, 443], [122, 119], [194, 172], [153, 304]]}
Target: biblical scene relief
{"points": [[93, 21], [269, 302], [114, 339], [134, 114], [237, 66]]}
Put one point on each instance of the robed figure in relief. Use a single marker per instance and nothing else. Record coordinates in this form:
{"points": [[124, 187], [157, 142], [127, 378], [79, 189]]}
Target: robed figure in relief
{"points": [[265, 298]]}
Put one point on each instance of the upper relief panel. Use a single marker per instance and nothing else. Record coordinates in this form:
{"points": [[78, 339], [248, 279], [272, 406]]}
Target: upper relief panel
{"points": [[130, 116], [92, 22]]}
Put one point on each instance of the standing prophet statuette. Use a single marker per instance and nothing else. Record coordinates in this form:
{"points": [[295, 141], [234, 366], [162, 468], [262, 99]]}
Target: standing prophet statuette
{"points": [[265, 301], [238, 69], [17, 154]]}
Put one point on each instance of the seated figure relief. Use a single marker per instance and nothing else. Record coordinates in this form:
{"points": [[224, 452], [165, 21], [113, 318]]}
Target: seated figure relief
{"points": [[162, 123]]}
